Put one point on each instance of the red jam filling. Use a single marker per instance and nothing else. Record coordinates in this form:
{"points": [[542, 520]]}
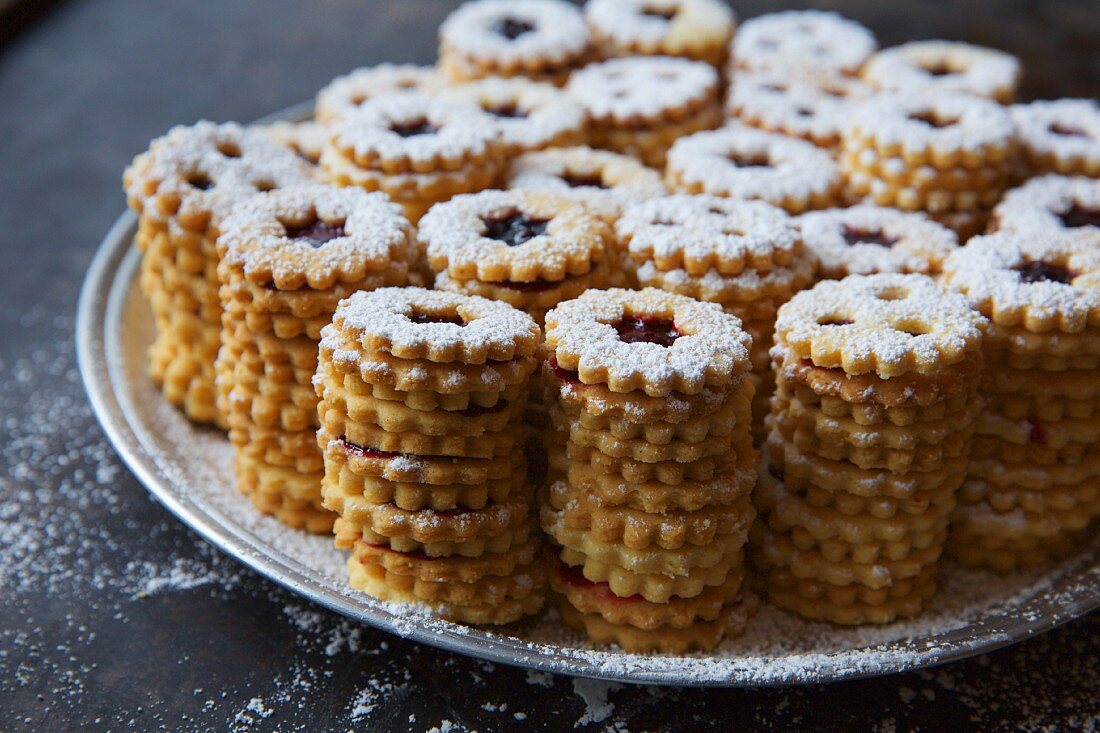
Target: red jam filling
{"points": [[1080, 217], [514, 229], [421, 317], [414, 128], [1039, 271], [662, 13], [576, 180], [534, 286], [512, 29], [854, 236], [561, 373], [359, 450], [939, 71], [574, 576], [835, 322], [1036, 434], [644, 329], [1066, 131], [316, 234]]}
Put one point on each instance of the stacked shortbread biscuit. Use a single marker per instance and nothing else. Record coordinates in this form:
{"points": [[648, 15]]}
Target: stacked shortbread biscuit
{"points": [[868, 439], [286, 259], [421, 398], [1034, 483], [949, 155], [746, 256], [182, 188], [654, 466]]}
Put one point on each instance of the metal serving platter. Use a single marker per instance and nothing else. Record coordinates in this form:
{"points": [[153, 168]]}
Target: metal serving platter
{"points": [[187, 468]]}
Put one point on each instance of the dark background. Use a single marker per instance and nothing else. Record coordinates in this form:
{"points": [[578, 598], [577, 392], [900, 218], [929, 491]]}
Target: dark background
{"points": [[117, 617]]}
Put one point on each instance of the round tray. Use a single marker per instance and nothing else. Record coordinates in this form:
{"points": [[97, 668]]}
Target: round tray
{"points": [[188, 469]]}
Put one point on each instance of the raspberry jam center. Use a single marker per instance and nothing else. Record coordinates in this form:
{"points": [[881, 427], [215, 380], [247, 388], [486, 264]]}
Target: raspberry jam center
{"points": [[646, 329], [853, 236], [561, 373], [414, 128], [512, 29], [662, 13], [1035, 434], [532, 286], [421, 317], [576, 180], [358, 450], [1038, 271], [1080, 217], [315, 234], [939, 71], [200, 181], [477, 410], [514, 229]]}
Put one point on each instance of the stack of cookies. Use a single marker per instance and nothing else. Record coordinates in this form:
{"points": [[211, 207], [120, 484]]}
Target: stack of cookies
{"points": [[1034, 483], [182, 188], [867, 445], [949, 155], [421, 398], [654, 465], [287, 258], [746, 256]]}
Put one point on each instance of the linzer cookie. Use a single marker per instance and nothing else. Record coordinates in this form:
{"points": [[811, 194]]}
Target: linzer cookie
{"points": [[863, 240], [868, 439], [347, 93], [433, 497], [182, 188], [530, 115], [802, 41], [541, 39], [949, 155], [603, 181], [1027, 497], [649, 395], [738, 161], [1051, 206], [417, 149], [700, 30], [744, 255], [814, 108], [641, 105], [287, 258], [937, 67], [530, 250], [1060, 136]]}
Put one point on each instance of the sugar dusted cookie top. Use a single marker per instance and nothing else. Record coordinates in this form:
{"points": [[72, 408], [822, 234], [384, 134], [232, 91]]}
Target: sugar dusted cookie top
{"points": [[803, 39], [945, 66], [512, 32]]}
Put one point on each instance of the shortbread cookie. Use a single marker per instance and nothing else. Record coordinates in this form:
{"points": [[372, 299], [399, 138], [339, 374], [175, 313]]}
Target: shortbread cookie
{"points": [[814, 108], [802, 41], [648, 340], [540, 39], [700, 30], [345, 94], [536, 246], [417, 149], [182, 188], [641, 105], [520, 594], [603, 181], [739, 161], [942, 153], [938, 67], [1060, 136], [1051, 206], [446, 569], [888, 324], [529, 115], [852, 605], [862, 240], [305, 139], [285, 256]]}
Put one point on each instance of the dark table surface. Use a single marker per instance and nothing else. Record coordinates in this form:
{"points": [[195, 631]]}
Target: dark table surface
{"points": [[117, 617]]}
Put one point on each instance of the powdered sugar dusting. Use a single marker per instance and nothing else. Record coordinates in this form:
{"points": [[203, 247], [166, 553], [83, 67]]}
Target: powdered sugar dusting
{"points": [[803, 39], [921, 65], [641, 87], [557, 30]]}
